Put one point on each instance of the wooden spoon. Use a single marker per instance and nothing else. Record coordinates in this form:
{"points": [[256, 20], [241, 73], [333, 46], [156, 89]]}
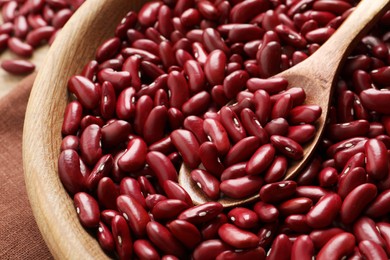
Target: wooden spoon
{"points": [[316, 75]]}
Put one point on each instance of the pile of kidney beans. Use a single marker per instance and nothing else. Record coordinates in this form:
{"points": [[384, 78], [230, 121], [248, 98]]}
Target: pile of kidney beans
{"points": [[159, 93], [27, 24]]}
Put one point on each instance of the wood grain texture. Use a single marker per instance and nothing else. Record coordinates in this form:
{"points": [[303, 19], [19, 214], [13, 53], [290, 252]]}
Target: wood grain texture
{"points": [[52, 207], [316, 75]]}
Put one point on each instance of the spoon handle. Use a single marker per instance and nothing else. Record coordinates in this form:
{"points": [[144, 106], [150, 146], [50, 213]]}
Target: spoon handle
{"points": [[366, 14]]}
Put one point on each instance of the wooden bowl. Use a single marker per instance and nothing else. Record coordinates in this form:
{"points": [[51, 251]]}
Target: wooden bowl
{"points": [[53, 208]]}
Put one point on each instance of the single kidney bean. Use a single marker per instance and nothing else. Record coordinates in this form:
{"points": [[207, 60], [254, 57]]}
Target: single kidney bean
{"points": [[188, 146], [301, 133], [328, 176], [150, 70], [86, 92], [256, 253], [105, 238], [351, 129], [130, 186], [277, 170], [148, 14], [298, 96], [365, 229], [90, 120], [154, 127], [234, 171], [302, 248], [101, 169], [114, 133], [371, 250], [242, 150], [87, 209], [108, 100], [384, 229], [300, 205], [321, 237], [287, 147], [306, 114], [214, 67], [107, 192], [267, 53], [234, 83], [145, 250], [266, 212], [271, 85], [277, 126], [119, 79], [90, 147], [153, 199], [310, 171], [324, 211], [261, 159], [19, 47], [356, 201], [179, 90], [161, 166], [18, 67], [209, 249], [380, 206], [244, 11], [212, 40], [341, 157], [108, 215], [337, 247], [72, 118], [197, 104], [314, 193], [252, 125], [70, 142], [345, 144], [168, 209], [185, 232], [278, 191], [207, 182], [210, 158], [134, 157], [374, 99], [201, 213], [244, 33], [232, 124], [196, 76], [236, 237], [280, 248], [243, 217], [376, 159], [281, 107], [122, 237], [297, 223], [144, 182], [174, 191], [218, 135]]}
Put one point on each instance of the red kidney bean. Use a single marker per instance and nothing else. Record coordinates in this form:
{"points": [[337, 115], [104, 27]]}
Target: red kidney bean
{"points": [[270, 52], [122, 237], [134, 213], [217, 134], [234, 83], [236, 237], [280, 248], [244, 33], [108, 100], [297, 223], [105, 238], [328, 176], [277, 126], [356, 202], [252, 125], [321, 237], [212, 40], [297, 94], [175, 191], [155, 123], [70, 172], [209, 249], [87, 209], [72, 118], [101, 169], [243, 218], [168, 209], [371, 250], [306, 114], [290, 36], [186, 143], [145, 250], [161, 166], [134, 157], [310, 171], [207, 182], [301, 133], [214, 67], [242, 150], [114, 133], [256, 253], [200, 53], [19, 47], [208, 10], [86, 92], [89, 120], [365, 229], [374, 99], [287, 147], [185, 232], [339, 246], [384, 229], [107, 192], [272, 85], [119, 79], [179, 90], [277, 170], [302, 248], [130, 186], [196, 76], [261, 159], [380, 206], [152, 199], [201, 213], [197, 104], [282, 107], [39, 35], [351, 129], [70, 142], [234, 171], [241, 187], [266, 212], [300, 205], [341, 157], [329, 203], [376, 159], [161, 98], [345, 144], [232, 124], [90, 147], [190, 18], [163, 239], [278, 191], [244, 11]]}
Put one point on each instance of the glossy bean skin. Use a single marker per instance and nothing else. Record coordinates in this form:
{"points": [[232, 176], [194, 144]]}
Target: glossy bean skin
{"points": [[174, 191], [232, 124], [365, 229], [210, 158], [161, 166], [87, 209], [384, 229], [209, 249], [256, 253], [337, 247], [155, 124], [242, 150], [278, 191], [218, 135], [377, 160], [281, 248], [168, 209], [188, 146], [329, 203], [90, 147], [85, 90], [185, 232], [163, 239], [295, 206], [207, 182], [287, 147], [236, 237], [375, 100], [122, 237], [145, 250], [277, 170], [101, 169], [371, 250], [201, 213], [105, 238], [380, 206], [252, 125], [302, 248], [134, 213], [131, 187], [241, 187], [243, 217], [260, 160], [214, 67], [266, 212], [134, 157]]}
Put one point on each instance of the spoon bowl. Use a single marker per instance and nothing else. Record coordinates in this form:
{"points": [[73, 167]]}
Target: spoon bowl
{"points": [[317, 76]]}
